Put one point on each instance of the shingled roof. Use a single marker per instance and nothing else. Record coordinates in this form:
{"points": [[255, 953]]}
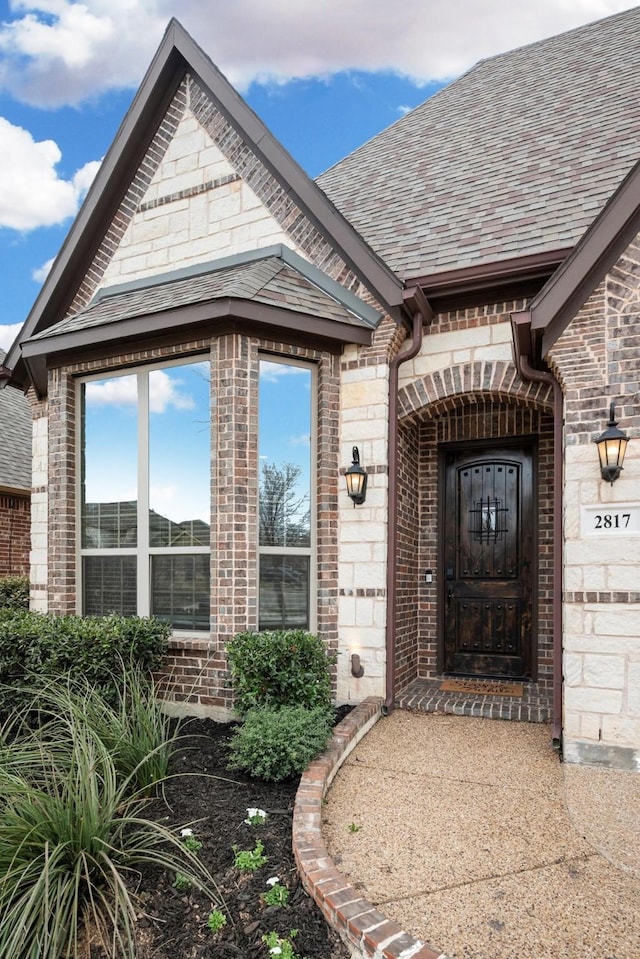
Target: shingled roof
{"points": [[515, 158], [263, 277], [15, 439]]}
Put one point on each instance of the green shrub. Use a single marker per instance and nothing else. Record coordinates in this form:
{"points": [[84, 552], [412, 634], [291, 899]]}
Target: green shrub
{"points": [[14, 592], [276, 742], [280, 668], [71, 833], [35, 647]]}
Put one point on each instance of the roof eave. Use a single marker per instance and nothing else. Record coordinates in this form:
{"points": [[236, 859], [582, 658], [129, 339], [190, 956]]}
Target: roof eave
{"points": [[37, 351], [488, 278], [575, 280]]}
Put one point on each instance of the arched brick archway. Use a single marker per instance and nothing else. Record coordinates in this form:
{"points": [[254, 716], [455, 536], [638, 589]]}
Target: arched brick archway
{"points": [[479, 401], [445, 390]]}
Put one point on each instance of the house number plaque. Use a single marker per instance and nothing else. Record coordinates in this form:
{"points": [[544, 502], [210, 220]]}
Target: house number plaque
{"points": [[611, 519]]}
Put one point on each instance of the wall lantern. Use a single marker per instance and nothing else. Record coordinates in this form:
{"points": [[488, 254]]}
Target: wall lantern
{"points": [[356, 478], [612, 445]]}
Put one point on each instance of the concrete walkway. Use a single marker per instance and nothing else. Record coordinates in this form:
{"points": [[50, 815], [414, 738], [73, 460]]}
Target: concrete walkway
{"points": [[476, 840]]}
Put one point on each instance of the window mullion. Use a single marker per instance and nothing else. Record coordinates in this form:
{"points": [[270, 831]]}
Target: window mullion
{"points": [[143, 495]]}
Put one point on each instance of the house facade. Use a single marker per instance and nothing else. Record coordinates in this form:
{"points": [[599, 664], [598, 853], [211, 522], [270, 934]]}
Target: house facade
{"points": [[15, 482], [457, 301]]}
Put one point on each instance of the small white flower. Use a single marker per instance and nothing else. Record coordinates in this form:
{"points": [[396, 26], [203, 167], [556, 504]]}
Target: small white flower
{"points": [[273, 881], [186, 832], [275, 951], [255, 815]]}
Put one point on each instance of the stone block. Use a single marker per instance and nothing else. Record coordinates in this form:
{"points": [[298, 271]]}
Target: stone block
{"points": [[633, 688], [608, 645], [422, 365], [361, 393], [494, 352], [573, 578], [501, 333], [571, 725], [625, 575], [621, 731], [585, 700], [572, 669], [590, 726], [617, 620], [605, 671], [594, 578]]}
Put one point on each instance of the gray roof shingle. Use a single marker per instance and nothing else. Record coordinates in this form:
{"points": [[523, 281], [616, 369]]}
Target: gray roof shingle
{"points": [[15, 438], [516, 157], [268, 280]]}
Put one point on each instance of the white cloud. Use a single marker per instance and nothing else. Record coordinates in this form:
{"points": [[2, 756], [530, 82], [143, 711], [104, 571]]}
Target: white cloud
{"points": [[31, 192], [272, 372], [302, 440], [164, 392], [121, 391], [42, 272], [57, 51], [8, 333]]}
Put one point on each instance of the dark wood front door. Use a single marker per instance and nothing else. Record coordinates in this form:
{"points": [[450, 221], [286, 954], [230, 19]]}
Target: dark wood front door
{"points": [[487, 557]]}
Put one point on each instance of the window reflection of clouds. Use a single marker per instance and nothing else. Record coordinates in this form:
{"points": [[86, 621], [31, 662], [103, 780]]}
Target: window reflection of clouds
{"points": [[179, 447], [115, 391], [165, 391], [273, 372]]}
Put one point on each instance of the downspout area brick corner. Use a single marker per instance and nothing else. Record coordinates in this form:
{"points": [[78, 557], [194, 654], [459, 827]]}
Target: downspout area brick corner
{"points": [[364, 929]]}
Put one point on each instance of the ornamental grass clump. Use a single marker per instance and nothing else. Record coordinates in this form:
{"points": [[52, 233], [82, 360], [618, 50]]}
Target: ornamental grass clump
{"points": [[72, 836], [130, 722], [274, 743]]}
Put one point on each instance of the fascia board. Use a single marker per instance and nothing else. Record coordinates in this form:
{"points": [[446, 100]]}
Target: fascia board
{"points": [[600, 247], [198, 314]]}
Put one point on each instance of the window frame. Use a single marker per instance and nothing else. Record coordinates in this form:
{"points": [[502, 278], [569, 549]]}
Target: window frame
{"points": [[143, 551], [312, 550]]}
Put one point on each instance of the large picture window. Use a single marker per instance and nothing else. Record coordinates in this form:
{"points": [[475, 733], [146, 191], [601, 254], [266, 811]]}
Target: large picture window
{"points": [[286, 496], [145, 494]]}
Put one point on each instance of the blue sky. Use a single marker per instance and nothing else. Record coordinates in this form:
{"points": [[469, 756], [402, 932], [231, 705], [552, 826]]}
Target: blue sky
{"points": [[325, 76]]}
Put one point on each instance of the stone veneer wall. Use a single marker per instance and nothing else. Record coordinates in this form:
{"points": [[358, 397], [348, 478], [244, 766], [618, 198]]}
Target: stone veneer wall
{"points": [[200, 193], [15, 533], [597, 360], [364, 422]]}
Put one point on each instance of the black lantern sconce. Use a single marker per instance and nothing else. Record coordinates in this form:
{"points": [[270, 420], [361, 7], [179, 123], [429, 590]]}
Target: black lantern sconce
{"points": [[612, 445], [356, 478]]}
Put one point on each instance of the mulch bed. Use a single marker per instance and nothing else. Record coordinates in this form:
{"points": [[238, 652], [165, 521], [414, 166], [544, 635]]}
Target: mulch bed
{"points": [[173, 924]]}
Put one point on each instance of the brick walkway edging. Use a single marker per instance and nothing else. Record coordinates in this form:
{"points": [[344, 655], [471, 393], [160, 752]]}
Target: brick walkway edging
{"points": [[365, 930]]}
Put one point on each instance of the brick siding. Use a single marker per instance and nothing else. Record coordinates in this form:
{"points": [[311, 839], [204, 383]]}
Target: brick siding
{"points": [[196, 672], [597, 361], [15, 534]]}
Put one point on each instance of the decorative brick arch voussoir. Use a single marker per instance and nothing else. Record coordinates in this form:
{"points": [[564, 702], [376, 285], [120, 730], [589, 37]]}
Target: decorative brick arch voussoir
{"points": [[445, 389]]}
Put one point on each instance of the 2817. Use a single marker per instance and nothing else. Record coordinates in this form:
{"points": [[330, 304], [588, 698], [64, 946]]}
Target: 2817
{"points": [[611, 520]]}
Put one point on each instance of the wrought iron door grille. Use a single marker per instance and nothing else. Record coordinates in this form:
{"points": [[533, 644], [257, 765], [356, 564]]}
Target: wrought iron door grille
{"points": [[488, 522]]}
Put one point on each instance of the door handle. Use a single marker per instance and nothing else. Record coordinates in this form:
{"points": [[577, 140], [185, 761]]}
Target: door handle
{"points": [[449, 596]]}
